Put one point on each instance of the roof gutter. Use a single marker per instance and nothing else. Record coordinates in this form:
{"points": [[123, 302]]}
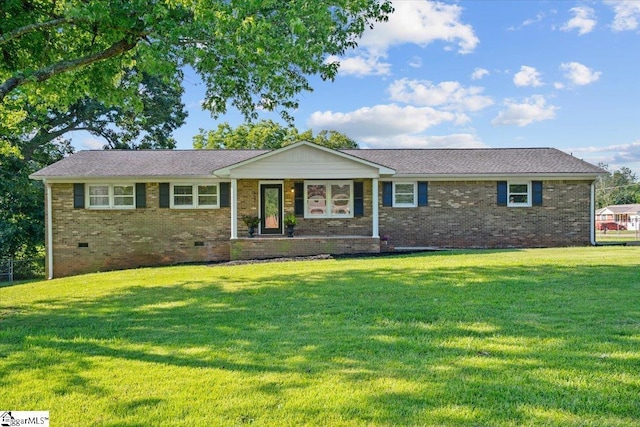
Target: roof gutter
{"points": [[497, 177]]}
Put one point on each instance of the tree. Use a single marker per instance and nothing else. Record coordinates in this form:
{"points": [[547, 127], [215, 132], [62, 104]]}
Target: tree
{"points": [[329, 138], [21, 208], [266, 134], [122, 126], [253, 54], [619, 187]]}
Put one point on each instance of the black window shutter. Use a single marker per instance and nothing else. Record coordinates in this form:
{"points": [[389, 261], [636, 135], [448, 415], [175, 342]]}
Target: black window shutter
{"points": [[502, 193], [164, 195], [358, 199], [536, 187], [141, 195], [225, 194], [423, 193], [298, 198], [78, 196], [387, 193]]}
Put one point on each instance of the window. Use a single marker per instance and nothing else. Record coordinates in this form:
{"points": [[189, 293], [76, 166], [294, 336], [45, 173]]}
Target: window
{"points": [[207, 195], [111, 196], [519, 194], [404, 194], [328, 199], [123, 196], [190, 196]]}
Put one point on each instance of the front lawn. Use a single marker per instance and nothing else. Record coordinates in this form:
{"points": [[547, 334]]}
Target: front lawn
{"points": [[497, 338]]}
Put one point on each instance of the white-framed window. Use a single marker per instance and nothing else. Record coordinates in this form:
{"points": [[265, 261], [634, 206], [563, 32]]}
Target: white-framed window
{"points": [[111, 196], [519, 194], [405, 194], [194, 196], [328, 199]]}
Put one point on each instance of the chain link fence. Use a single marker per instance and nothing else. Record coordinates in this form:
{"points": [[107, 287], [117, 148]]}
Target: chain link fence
{"points": [[22, 269]]}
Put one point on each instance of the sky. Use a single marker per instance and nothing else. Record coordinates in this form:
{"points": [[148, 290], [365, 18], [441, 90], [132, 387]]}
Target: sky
{"points": [[481, 73]]}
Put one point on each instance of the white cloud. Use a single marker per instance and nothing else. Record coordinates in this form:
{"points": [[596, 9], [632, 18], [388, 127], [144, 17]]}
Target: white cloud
{"points": [[361, 66], [527, 76], [91, 144], [413, 22], [615, 156], [415, 62], [532, 109], [583, 20], [421, 23], [479, 73], [450, 96], [456, 140], [617, 152], [381, 120], [579, 74], [627, 14], [539, 17]]}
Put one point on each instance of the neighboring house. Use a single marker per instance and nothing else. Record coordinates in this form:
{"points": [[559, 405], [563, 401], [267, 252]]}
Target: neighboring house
{"points": [[120, 209], [625, 216]]}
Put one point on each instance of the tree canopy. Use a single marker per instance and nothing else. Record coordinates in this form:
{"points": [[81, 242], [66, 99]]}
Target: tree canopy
{"points": [[620, 187], [252, 54], [266, 134]]}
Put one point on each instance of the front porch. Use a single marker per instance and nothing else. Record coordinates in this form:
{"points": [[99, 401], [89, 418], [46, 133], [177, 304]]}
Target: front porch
{"points": [[263, 247]]}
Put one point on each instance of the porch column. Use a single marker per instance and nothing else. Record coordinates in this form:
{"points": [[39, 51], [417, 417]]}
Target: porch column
{"points": [[592, 215], [234, 208], [49, 230], [374, 209]]}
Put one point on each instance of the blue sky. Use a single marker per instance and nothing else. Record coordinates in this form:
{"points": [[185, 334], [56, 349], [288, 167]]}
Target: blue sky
{"points": [[481, 73]]}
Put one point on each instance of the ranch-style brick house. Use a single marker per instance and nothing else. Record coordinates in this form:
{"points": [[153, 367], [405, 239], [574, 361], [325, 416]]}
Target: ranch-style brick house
{"points": [[116, 209]]}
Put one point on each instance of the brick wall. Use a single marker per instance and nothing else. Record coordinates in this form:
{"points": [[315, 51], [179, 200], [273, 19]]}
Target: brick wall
{"points": [[135, 237], [466, 215], [276, 247], [459, 215]]}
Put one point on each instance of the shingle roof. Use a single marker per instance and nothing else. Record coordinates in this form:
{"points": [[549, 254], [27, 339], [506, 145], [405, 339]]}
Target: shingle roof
{"points": [[426, 162], [115, 163], [621, 209], [478, 161]]}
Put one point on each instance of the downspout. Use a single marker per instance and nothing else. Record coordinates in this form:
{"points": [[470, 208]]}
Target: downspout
{"points": [[593, 214], [49, 231]]}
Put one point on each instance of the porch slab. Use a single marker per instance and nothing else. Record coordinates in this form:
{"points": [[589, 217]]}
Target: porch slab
{"points": [[264, 247]]}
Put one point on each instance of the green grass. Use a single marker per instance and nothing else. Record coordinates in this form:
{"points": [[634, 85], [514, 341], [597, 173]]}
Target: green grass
{"points": [[488, 338]]}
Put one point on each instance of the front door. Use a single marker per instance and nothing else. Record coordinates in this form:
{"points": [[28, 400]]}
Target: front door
{"points": [[271, 208]]}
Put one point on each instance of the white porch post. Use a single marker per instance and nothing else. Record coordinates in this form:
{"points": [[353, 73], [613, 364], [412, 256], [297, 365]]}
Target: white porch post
{"points": [[374, 210], [234, 208], [592, 214]]}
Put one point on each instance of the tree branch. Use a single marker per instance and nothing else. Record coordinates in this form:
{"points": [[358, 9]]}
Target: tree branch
{"points": [[46, 73], [38, 26]]}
